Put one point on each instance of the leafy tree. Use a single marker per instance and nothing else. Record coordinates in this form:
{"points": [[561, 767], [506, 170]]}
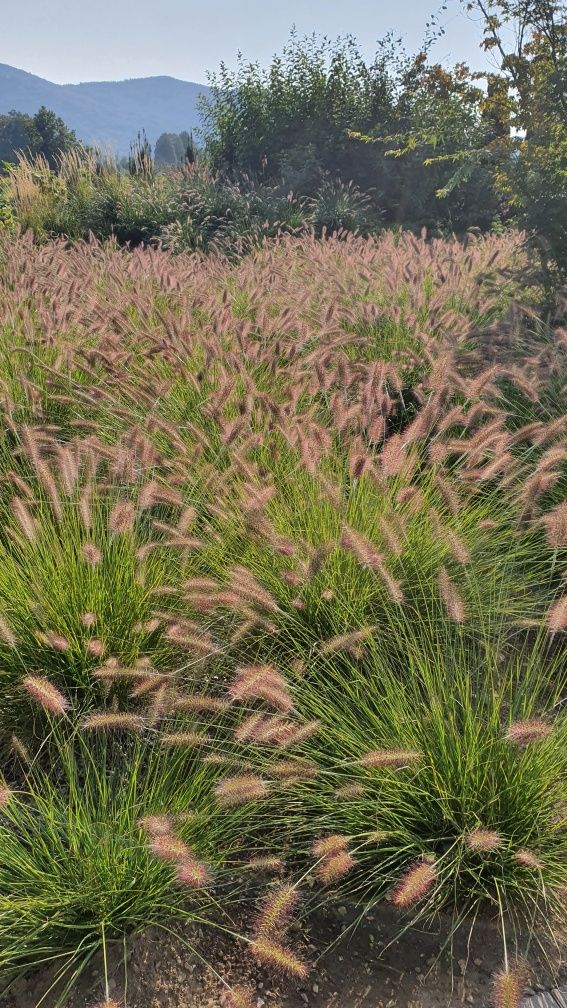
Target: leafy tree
{"points": [[530, 40], [54, 136], [260, 120], [304, 119], [174, 149], [442, 122], [42, 134], [167, 150], [15, 135]]}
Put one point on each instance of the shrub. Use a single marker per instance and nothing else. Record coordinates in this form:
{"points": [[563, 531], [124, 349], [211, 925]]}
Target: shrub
{"points": [[459, 788], [78, 872]]}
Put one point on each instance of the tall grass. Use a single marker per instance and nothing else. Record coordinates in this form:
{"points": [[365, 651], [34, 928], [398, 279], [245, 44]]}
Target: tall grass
{"points": [[78, 874], [182, 209], [283, 539]]}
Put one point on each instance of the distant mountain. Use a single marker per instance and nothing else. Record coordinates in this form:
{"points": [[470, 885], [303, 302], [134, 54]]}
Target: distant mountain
{"points": [[107, 113]]}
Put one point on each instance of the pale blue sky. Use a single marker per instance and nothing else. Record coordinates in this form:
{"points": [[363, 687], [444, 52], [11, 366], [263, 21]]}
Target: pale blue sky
{"points": [[74, 40]]}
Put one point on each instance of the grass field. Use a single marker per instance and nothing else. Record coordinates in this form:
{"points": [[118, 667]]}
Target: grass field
{"points": [[283, 601]]}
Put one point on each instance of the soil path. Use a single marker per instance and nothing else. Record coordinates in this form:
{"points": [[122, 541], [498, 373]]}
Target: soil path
{"points": [[361, 968]]}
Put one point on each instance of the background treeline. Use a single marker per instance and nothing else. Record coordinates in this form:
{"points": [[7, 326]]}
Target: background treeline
{"points": [[305, 118], [43, 134], [174, 149], [325, 139]]}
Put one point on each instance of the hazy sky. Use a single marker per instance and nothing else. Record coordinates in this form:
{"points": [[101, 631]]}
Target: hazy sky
{"points": [[76, 40]]}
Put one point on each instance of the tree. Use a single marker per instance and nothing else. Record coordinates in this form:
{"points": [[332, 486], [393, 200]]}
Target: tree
{"points": [[16, 134], [54, 138], [530, 40], [304, 120], [259, 121], [42, 134], [166, 151], [174, 149], [440, 114]]}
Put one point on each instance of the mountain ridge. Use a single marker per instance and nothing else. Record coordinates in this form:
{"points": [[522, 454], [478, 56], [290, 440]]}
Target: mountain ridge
{"points": [[107, 113]]}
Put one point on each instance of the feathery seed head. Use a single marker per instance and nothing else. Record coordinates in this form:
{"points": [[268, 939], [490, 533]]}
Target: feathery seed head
{"points": [[270, 953], [377, 837], [528, 859], [253, 727], [395, 758], [241, 789], [113, 721], [156, 825], [522, 733], [292, 734], [276, 910], [268, 863], [6, 634], [450, 597], [350, 791], [54, 640], [264, 683], [298, 769], [188, 739], [24, 519], [555, 523], [95, 647], [291, 578], [218, 759], [507, 989], [334, 867], [347, 641], [192, 873], [168, 847], [556, 621], [200, 702], [121, 518], [19, 749], [149, 683], [330, 845], [240, 997], [91, 554], [415, 884], [483, 841], [45, 694]]}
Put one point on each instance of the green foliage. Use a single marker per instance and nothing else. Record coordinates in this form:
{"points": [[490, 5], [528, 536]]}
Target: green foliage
{"points": [[534, 177], [309, 96], [43, 135], [468, 776], [303, 119], [174, 149], [525, 118], [77, 873], [188, 209]]}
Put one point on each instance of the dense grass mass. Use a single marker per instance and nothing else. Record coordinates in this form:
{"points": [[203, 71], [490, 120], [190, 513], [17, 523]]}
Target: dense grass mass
{"points": [[77, 871], [182, 209], [282, 588]]}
